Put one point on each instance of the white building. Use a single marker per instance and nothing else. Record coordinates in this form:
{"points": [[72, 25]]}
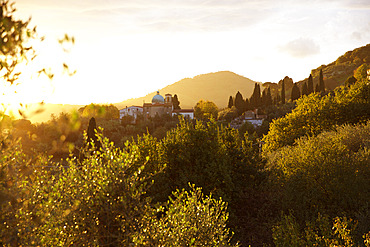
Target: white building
{"points": [[131, 111], [187, 113]]}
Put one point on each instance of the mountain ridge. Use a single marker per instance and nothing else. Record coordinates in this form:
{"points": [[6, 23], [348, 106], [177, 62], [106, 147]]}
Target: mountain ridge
{"points": [[207, 88], [219, 86]]}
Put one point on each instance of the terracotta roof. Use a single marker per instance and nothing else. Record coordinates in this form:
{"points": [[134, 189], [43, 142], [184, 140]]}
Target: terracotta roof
{"points": [[183, 110]]}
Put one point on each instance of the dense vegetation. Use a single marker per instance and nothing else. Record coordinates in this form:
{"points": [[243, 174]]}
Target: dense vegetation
{"points": [[147, 192], [175, 182]]}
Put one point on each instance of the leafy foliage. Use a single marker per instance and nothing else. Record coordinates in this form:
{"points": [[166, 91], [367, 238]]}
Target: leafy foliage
{"points": [[14, 36], [228, 114], [99, 200], [99, 111], [205, 110], [320, 232], [214, 158], [315, 113], [327, 174], [189, 218]]}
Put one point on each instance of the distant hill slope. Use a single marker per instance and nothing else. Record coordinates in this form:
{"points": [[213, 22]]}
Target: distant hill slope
{"points": [[42, 113], [336, 73], [216, 87]]}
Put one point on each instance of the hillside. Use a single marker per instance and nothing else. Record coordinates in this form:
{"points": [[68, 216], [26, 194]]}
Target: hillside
{"points": [[216, 87], [42, 113], [336, 73]]}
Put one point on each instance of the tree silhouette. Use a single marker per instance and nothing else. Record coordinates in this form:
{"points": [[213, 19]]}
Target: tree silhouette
{"points": [[317, 88], [295, 92], [269, 97], [310, 84], [91, 134], [176, 102], [239, 103], [255, 100], [304, 89], [231, 102], [283, 92], [321, 82]]}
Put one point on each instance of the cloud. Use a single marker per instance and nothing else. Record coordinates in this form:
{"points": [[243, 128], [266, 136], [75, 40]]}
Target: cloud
{"points": [[176, 15], [300, 48], [357, 35]]}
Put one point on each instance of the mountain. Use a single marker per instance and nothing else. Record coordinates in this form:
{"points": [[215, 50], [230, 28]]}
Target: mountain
{"points": [[336, 73], [219, 86], [216, 87]]}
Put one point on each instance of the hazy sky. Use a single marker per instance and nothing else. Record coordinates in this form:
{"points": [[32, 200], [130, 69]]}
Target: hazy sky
{"points": [[128, 48]]}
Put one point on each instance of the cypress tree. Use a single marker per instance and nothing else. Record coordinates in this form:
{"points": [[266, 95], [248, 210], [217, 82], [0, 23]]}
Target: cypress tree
{"points": [[176, 102], [310, 84], [247, 105], [277, 99], [252, 100], [321, 82], [269, 97], [295, 92], [258, 96], [264, 98], [231, 102], [239, 102], [91, 135], [304, 89], [255, 100], [283, 92]]}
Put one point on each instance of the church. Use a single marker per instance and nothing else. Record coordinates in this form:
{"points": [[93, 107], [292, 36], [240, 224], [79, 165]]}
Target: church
{"points": [[159, 106]]}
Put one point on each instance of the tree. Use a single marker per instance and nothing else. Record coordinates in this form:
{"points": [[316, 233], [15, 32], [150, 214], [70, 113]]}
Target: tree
{"points": [[247, 104], [91, 133], [283, 92], [304, 89], [312, 176], [99, 111], [350, 81], [228, 114], [239, 103], [296, 94], [361, 72], [268, 97], [189, 218], [263, 98], [231, 102], [176, 102], [101, 200], [310, 84], [321, 82], [205, 110], [15, 35], [258, 96], [315, 114], [255, 100]]}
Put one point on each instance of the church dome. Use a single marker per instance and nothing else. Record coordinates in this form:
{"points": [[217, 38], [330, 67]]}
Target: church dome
{"points": [[158, 99]]}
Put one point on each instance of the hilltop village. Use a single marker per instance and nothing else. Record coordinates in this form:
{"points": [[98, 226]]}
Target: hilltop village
{"points": [[159, 106]]}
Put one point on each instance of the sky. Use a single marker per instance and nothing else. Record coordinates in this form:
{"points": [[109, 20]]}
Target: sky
{"points": [[127, 48]]}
